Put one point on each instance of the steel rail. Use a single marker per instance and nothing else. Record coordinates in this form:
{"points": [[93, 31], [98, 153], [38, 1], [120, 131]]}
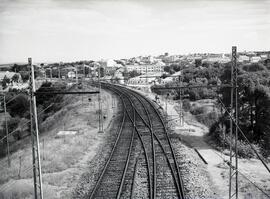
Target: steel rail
{"points": [[170, 144], [150, 127], [120, 130], [166, 133], [140, 137], [127, 161], [179, 187]]}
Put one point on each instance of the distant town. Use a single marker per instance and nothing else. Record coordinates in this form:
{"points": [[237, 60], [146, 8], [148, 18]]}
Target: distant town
{"points": [[137, 71]]}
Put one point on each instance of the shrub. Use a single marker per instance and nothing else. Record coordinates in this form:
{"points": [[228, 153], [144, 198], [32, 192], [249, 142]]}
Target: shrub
{"points": [[208, 119], [19, 106], [186, 105], [221, 138], [204, 116], [198, 110]]}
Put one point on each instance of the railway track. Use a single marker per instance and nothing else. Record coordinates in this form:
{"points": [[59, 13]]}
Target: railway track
{"points": [[143, 149]]}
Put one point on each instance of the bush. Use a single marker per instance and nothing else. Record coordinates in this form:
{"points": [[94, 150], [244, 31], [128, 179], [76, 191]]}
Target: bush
{"points": [[221, 139], [12, 124], [198, 110], [208, 119], [205, 117], [19, 106], [186, 105]]}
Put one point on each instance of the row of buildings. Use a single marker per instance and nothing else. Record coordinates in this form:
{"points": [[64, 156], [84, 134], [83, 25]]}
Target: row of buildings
{"points": [[150, 65]]}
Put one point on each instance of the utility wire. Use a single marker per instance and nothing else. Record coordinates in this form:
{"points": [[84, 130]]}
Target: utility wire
{"points": [[6, 186], [26, 122], [228, 163], [265, 165]]}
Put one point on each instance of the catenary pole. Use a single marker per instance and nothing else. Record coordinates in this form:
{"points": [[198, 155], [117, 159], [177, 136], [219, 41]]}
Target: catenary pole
{"points": [[37, 173], [233, 178]]}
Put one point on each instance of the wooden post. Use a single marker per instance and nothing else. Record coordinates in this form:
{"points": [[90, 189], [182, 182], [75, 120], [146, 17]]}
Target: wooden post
{"points": [[20, 166], [6, 125]]}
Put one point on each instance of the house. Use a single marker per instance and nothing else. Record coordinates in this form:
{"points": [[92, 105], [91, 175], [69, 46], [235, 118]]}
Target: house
{"points": [[243, 58], [118, 75], [146, 68], [255, 59], [267, 62], [142, 80], [175, 76], [71, 74], [9, 75], [166, 80]]}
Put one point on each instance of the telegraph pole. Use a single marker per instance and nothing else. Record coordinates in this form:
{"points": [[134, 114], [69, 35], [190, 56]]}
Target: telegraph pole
{"points": [[37, 174], [100, 119], [233, 179], [5, 115]]}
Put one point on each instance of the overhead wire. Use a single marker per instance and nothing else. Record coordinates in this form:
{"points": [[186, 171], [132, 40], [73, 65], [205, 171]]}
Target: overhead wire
{"points": [[242, 133], [241, 173], [25, 123]]}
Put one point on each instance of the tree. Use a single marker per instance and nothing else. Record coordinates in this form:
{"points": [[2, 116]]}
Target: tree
{"points": [[19, 106], [253, 103], [102, 71], [254, 67], [134, 73], [198, 62], [5, 82], [176, 67], [15, 78], [186, 105], [25, 75], [17, 68], [167, 69]]}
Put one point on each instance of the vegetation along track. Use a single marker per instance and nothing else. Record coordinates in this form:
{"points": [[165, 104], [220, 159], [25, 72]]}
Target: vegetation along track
{"points": [[141, 132]]}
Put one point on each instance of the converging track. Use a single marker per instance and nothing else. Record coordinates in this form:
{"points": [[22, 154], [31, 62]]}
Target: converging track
{"points": [[142, 163]]}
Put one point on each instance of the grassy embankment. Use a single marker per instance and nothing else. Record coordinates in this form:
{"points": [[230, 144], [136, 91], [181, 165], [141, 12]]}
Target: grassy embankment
{"points": [[63, 158]]}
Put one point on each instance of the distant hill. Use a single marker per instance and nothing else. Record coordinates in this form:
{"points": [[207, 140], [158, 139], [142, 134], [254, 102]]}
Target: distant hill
{"points": [[5, 67]]}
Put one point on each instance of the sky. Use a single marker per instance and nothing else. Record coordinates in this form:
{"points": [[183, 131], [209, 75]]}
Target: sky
{"points": [[72, 30]]}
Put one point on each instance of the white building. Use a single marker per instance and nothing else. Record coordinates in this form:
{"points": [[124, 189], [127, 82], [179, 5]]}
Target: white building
{"points": [[119, 76], [71, 74], [146, 68], [141, 80], [243, 58], [217, 59], [166, 80], [255, 59], [171, 58], [9, 75]]}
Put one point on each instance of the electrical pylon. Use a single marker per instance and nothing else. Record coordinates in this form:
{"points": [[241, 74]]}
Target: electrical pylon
{"points": [[37, 174], [233, 178]]}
